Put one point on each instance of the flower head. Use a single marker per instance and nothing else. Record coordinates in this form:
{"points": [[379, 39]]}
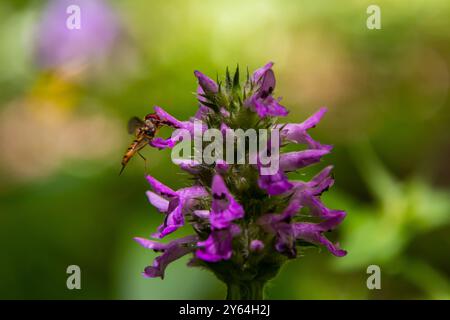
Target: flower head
{"points": [[175, 204], [262, 101], [246, 220]]}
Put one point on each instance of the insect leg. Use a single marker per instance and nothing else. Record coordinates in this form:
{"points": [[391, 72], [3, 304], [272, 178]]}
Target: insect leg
{"points": [[145, 161]]}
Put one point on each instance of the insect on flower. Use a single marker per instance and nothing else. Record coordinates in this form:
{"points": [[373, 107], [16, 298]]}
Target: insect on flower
{"points": [[144, 131]]}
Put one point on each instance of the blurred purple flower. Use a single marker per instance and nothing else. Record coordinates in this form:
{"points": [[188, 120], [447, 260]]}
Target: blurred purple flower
{"points": [[58, 46]]}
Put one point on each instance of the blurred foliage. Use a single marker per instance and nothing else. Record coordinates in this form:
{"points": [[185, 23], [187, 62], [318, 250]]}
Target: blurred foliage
{"points": [[62, 134]]}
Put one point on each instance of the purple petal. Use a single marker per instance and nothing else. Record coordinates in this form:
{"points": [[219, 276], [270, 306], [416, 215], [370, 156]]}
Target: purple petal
{"points": [[223, 128], [256, 245], [150, 244], [192, 192], [297, 131], [313, 233], [316, 207], [224, 208], [224, 112], [219, 245], [176, 137], [167, 117], [157, 201], [189, 165], [186, 200], [268, 106], [292, 208], [292, 161], [275, 184], [204, 214], [203, 110], [206, 83], [267, 84], [286, 232], [259, 73], [221, 166], [161, 143], [313, 120], [172, 251], [262, 101], [321, 182], [280, 226], [160, 188], [285, 240], [174, 220]]}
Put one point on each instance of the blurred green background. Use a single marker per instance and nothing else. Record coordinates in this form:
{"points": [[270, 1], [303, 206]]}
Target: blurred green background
{"points": [[64, 104]]}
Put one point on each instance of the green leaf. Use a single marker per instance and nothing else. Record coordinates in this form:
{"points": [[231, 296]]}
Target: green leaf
{"points": [[236, 85], [228, 82]]}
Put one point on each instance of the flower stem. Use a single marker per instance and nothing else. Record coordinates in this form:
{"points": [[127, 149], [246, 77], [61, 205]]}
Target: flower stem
{"points": [[253, 290]]}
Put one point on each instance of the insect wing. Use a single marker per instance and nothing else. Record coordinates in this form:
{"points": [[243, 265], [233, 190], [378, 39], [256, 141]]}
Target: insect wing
{"points": [[134, 123]]}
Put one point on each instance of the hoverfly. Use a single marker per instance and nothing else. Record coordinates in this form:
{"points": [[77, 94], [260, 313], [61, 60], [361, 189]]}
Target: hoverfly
{"points": [[144, 131]]}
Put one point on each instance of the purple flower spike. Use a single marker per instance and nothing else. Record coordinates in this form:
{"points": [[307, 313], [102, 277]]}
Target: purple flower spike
{"points": [[171, 252], [246, 218], [224, 208], [207, 84], [219, 245]]}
